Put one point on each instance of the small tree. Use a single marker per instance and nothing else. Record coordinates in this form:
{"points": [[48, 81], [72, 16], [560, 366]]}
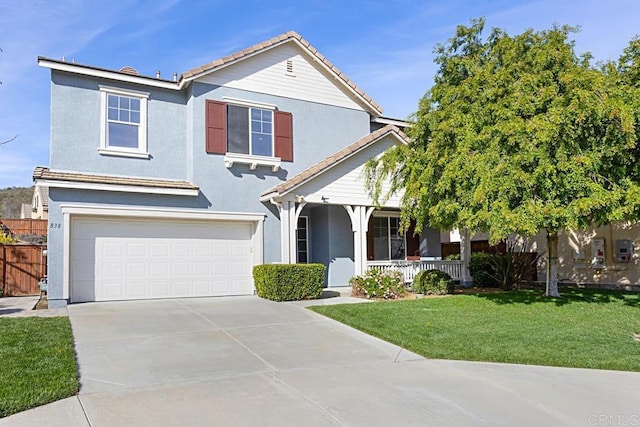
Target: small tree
{"points": [[517, 135]]}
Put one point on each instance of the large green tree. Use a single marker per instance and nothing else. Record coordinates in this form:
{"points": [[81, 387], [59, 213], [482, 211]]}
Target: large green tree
{"points": [[518, 134]]}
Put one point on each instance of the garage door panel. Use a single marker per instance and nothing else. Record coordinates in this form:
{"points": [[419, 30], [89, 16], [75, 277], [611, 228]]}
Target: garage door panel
{"points": [[132, 259], [134, 289], [180, 250], [136, 249], [201, 250]]}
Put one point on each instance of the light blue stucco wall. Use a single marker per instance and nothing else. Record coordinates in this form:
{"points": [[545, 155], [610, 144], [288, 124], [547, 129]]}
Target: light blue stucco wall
{"points": [[75, 130], [332, 243], [176, 139]]}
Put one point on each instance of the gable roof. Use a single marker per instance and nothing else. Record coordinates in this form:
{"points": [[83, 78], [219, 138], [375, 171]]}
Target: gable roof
{"points": [[334, 159], [211, 67], [288, 37]]}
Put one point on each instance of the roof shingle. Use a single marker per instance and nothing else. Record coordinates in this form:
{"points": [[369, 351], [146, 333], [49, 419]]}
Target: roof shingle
{"points": [[47, 174]]}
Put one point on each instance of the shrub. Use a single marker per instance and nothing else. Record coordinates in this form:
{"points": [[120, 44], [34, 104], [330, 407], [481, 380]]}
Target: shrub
{"points": [[452, 257], [481, 269], [378, 284], [289, 282], [433, 282], [6, 238], [510, 269]]}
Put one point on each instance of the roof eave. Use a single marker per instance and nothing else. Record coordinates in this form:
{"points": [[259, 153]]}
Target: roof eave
{"points": [[107, 74]]}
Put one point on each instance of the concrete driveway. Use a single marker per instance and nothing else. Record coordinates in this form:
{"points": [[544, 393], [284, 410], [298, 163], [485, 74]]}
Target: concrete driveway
{"points": [[247, 361]]}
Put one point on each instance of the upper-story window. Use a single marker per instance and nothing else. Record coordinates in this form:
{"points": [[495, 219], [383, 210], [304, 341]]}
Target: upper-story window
{"points": [[249, 133], [124, 123]]}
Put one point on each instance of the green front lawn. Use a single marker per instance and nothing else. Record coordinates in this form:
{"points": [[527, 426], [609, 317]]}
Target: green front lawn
{"points": [[583, 329], [37, 362]]}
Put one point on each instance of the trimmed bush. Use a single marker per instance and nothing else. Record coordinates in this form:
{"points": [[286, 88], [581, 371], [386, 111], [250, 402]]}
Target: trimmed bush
{"points": [[481, 267], [289, 282], [433, 282], [378, 284]]}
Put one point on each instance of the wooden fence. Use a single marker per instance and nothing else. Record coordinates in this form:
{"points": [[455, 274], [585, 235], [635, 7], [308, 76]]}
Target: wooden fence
{"points": [[22, 227], [453, 248], [21, 268]]}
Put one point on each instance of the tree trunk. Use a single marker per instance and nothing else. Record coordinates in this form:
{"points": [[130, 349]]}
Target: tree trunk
{"points": [[552, 265]]}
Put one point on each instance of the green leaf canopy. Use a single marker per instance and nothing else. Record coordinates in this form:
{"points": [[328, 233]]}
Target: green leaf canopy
{"points": [[518, 134]]}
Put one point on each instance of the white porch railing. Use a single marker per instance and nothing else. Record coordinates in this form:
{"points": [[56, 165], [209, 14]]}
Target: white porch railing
{"points": [[410, 268]]}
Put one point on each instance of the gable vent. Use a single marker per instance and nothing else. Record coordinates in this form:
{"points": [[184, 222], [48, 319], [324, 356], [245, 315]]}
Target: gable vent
{"points": [[289, 66], [129, 70]]}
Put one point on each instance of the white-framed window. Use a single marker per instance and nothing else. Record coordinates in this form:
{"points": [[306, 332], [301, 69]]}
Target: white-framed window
{"points": [[123, 122], [249, 131], [302, 236], [388, 242]]}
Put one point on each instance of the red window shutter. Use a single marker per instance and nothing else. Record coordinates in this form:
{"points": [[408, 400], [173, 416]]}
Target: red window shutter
{"points": [[370, 247], [216, 118], [283, 135], [413, 242]]}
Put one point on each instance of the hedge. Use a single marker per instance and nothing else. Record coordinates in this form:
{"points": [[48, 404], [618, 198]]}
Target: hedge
{"points": [[289, 282]]}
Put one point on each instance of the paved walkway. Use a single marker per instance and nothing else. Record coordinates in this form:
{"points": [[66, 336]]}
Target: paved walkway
{"points": [[247, 361], [24, 307]]}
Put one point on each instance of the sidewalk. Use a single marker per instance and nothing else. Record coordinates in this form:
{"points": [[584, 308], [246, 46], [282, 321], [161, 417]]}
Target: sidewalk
{"points": [[24, 307]]}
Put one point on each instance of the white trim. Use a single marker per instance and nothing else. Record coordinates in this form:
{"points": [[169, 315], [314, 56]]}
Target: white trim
{"points": [[367, 216], [123, 152], [155, 212], [126, 212], [106, 74], [66, 256], [245, 103], [105, 149], [395, 122], [252, 161], [124, 92], [118, 187]]}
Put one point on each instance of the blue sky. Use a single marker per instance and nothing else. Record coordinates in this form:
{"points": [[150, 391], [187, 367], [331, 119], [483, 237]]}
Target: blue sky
{"points": [[384, 46]]}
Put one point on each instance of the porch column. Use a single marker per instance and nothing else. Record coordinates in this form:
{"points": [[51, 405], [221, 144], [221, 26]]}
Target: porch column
{"points": [[285, 241], [359, 216], [465, 255], [354, 215]]}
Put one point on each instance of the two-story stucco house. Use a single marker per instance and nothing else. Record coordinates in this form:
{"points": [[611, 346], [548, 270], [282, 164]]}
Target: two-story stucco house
{"points": [[175, 188]]}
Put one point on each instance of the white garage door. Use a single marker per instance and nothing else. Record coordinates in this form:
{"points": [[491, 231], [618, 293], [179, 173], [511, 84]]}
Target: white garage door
{"points": [[123, 259]]}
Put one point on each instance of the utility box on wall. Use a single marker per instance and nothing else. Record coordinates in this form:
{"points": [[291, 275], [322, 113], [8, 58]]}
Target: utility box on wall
{"points": [[624, 250], [597, 253]]}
